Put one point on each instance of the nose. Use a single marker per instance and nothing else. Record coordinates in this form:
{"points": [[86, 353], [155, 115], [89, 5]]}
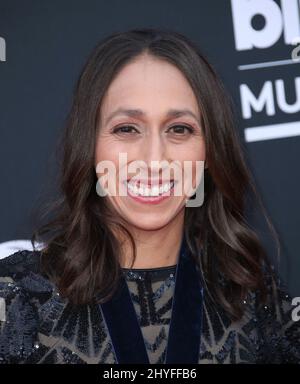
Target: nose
{"points": [[154, 147], [154, 153]]}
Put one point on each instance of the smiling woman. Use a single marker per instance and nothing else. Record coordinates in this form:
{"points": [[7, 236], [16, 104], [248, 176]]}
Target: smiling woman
{"points": [[138, 276], [160, 122]]}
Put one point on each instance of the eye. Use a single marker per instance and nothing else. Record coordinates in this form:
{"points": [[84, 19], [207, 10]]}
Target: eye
{"points": [[125, 129], [179, 129]]}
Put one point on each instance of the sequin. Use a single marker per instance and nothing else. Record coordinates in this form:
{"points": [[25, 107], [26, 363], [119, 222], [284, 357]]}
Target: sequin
{"points": [[78, 335]]}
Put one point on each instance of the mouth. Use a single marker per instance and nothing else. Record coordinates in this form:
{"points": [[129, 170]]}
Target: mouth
{"points": [[149, 189]]}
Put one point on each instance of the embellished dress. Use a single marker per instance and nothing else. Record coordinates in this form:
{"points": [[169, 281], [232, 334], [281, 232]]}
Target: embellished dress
{"points": [[40, 327]]}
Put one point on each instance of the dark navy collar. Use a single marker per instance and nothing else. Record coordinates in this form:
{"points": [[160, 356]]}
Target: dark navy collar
{"points": [[186, 318]]}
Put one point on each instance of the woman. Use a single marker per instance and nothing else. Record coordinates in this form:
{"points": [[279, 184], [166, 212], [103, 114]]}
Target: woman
{"points": [[143, 277]]}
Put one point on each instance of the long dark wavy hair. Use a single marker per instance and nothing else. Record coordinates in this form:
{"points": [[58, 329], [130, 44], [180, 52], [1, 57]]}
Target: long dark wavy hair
{"points": [[82, 253]]}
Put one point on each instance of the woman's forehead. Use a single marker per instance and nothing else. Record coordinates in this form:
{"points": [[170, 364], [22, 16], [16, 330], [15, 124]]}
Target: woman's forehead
{"points": [[155, 76], [142, 88]]}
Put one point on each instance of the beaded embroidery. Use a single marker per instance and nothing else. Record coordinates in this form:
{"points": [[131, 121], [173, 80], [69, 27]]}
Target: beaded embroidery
{"points": [[41, 327]]}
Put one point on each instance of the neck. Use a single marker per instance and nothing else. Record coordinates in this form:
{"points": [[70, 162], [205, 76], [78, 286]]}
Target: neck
{"points": [[154, 248]]}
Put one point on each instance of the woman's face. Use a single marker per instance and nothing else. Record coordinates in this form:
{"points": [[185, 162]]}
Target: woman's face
{"points": [[150, 90]]}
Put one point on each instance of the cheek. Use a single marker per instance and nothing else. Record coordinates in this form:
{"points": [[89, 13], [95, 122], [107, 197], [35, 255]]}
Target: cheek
{"points": [[197, 150], [109, 163], [194, 150], [199, 156], [106, 149], [105, 162], [191, 157]]}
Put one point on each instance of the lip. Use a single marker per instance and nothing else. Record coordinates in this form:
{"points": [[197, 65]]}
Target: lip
{"points": [[151, 183], [151, 199]]}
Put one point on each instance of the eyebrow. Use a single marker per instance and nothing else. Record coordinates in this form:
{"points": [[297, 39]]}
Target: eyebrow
{"points": [[172, 113]]}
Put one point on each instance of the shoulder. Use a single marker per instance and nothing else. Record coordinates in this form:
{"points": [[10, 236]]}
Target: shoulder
{"points": [[277, 290], [20, 262], [276, 323], [277, 298], [23, 292], [22, 270]]}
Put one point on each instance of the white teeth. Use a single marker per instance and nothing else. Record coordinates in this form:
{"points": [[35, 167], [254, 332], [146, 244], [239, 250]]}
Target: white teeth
{"points": [[166, 187], [146, 191], [155, 191]]}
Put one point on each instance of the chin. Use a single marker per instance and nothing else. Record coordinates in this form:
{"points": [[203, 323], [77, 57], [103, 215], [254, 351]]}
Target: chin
{"points": [[148, 218], [150, 221], [150, 225]]}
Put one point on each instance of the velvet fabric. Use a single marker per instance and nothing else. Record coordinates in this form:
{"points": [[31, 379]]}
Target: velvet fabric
{"points": [[186, 318]]}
